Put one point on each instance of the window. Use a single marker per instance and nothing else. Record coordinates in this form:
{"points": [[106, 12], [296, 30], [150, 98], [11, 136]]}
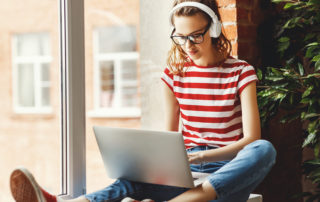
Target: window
{"points": [[112, 76], [31, 73], [30, 101], [116, 72]]}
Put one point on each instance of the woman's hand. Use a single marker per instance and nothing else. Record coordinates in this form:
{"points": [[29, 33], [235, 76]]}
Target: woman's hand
{"points": [[196, 157]]}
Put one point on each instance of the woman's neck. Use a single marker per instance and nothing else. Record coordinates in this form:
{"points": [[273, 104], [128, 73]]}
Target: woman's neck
{"points": [[212, 58]]}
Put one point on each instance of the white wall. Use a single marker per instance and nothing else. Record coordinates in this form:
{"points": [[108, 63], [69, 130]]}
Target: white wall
{"points": [[154, 43]]}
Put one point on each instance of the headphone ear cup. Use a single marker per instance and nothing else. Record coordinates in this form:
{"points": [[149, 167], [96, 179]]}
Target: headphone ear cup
{"points": [[215, 29]]}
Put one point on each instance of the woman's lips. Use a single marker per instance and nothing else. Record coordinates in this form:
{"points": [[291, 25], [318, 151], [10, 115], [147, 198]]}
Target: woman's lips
{"points": [[192, 52]]}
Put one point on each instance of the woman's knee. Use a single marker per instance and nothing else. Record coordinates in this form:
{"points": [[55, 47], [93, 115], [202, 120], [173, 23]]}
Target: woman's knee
{"points": [[264, 150]]}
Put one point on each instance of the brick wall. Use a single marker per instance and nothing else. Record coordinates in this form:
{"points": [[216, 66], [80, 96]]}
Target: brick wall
{"points": [[240, 21]]}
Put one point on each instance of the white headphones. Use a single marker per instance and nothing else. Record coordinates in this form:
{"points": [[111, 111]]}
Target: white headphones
{"points": [[215, 28]]}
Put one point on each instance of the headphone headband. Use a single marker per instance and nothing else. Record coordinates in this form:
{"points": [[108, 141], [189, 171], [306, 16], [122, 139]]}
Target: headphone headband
{"points": [[215, 28]]}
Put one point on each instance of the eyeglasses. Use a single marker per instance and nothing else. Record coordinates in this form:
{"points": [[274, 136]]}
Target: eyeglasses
{"points": [[194, 38]]}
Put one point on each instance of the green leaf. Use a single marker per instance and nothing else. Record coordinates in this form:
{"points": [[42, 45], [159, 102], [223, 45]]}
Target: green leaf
{"points": [[314, 2], [309, 36], [312, 126], [309, 140], [293, 22], [288, 5], [317, 75], [310, 51], [315, 58], [317, 66], [316, 150], [284, 39], [291, 99], [276, 71], [259, 74], [280, 96], [267, 93], [307, 92], [289, 117], [301, 69], [312, 44], [315, 162], [280, 1], [311, 115], [305, 101], [283, 46], [274, 78]]}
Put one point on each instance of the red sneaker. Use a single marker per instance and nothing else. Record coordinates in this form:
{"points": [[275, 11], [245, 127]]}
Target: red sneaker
{"points": [[24, 188]]}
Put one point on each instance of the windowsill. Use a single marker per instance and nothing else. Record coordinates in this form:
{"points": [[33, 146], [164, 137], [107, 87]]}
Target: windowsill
{"points": [[33, 111], [115, 113]]}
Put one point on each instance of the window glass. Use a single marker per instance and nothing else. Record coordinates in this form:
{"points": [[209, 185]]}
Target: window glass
{"points": [[129, 77], [112, 90], [107, 84], [30, 92], [120, 39], [26, 90], [32, 62], [117, 87], [32, 44], [45, 72]]}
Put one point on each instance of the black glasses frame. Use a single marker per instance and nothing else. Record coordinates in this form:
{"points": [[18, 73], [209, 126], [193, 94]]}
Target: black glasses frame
{"points": [[189, 37]]}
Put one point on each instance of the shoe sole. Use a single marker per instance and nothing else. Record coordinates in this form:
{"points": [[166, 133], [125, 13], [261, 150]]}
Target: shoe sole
{"points": [[24, 187]]}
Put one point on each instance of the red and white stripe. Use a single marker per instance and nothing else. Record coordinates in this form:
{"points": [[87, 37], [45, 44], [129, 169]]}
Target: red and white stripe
{"points": [[209, 101]]}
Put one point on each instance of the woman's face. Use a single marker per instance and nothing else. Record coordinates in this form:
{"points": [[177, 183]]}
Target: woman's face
{"points": [[193, 25]]}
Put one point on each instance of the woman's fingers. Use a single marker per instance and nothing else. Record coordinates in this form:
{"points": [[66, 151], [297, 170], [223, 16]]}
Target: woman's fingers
{"points": [[194, 158]]}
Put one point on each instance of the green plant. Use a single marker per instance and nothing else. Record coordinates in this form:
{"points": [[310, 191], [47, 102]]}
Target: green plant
{"points": [[294, 87]]}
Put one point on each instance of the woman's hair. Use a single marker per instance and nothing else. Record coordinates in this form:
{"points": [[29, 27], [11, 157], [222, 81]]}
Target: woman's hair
{"points": [[176, 56]]}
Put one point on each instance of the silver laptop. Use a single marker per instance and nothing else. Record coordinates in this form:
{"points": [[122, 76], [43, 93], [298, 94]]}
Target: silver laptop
{"points": [[157, 157]]}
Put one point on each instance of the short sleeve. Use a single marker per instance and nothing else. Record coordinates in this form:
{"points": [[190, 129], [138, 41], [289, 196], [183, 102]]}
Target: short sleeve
{"points": [[167, 77], [247, 75]]}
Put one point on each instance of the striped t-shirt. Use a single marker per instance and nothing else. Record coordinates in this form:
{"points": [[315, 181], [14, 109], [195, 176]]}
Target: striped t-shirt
{"points": [[209, 101]]}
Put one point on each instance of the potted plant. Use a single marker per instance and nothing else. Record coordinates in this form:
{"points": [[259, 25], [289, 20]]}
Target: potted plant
{"points": [[294, 86]]}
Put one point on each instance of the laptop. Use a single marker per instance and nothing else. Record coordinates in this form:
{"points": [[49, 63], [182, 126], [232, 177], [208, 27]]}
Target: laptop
{"points": [[156, 157]]}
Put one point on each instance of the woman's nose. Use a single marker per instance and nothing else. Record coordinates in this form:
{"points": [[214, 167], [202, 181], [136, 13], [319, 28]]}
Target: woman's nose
{"points": [[188, 43]]}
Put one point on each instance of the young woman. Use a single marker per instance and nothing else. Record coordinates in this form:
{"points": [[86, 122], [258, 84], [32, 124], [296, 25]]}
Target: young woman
{"points": [[214, 94]]}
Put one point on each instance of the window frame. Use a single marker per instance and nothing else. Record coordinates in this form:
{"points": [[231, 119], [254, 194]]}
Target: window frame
{"points": [[36, 62], [72, 64], [117, 58]]}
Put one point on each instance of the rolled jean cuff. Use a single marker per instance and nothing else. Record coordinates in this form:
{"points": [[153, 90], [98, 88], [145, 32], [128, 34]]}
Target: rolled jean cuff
{"points": [[217, 187]]}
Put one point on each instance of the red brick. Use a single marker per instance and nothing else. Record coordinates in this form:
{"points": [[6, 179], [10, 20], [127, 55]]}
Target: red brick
{"points": [[248, 4], [249, 11], [247, 32], [234, 51], [245, 49], [228, 14], [230, 32], [244, 15], [257, 16], [224, 3]]}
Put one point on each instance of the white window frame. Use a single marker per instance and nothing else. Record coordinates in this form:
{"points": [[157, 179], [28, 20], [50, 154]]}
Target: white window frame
{"points": [[36, 62], [72, 57], [117, 58]]}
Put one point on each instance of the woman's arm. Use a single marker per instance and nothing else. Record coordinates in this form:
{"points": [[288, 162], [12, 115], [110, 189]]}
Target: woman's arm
{"points": [[172, 109], [251, 130]]}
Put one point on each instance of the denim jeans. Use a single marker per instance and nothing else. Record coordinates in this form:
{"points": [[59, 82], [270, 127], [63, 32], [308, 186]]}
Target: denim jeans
{"points": [[232, 180]]}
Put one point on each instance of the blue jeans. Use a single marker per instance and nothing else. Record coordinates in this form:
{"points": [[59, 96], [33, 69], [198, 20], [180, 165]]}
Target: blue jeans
{"points": [[232, 180]]}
